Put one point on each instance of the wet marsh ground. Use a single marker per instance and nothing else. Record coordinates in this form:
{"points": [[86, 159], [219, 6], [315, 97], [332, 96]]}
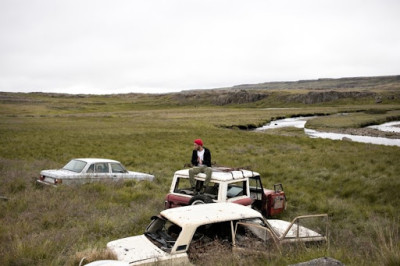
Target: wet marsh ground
{"points": [[356, 184]]}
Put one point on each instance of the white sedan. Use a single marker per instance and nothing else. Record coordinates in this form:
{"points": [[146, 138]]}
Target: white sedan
{"points": [[86, 170]]}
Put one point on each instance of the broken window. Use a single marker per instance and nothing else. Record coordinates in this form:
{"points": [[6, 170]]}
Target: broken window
{"points": [[253, 236], [163, 233], [183, 186], [256, 189], [250, 233], [209, 238]]}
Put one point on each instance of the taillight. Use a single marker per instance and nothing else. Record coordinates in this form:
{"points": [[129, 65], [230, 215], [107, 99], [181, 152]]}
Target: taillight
{"points": [[57, 181], [41, 177]]}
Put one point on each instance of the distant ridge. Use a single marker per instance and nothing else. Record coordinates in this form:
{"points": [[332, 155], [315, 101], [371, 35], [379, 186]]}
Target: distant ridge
{"points": [[380, 89], [349, 90], [325, 83]]}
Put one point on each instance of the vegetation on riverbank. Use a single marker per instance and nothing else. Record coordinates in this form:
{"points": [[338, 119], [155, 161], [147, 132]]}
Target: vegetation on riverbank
{"points": [[356, 184]]}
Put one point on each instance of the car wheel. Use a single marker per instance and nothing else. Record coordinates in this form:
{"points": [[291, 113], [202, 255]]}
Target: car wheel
{"points": [[200, 199]]}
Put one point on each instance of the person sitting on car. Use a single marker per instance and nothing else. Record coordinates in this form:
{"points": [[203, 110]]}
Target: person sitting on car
{"points": [[201, 160]]}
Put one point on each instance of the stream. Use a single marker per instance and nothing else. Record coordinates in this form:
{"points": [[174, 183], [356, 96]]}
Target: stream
{"points": [[300, 122]]}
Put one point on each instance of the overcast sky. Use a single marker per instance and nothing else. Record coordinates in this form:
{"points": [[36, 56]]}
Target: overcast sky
{"points": [[156, 46]]}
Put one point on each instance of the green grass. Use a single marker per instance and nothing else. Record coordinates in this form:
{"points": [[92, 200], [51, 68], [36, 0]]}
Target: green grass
{"points": [[356, 184]]}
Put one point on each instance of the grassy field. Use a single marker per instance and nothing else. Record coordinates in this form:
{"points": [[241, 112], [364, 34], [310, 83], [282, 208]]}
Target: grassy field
{"points": [[356, 184]]}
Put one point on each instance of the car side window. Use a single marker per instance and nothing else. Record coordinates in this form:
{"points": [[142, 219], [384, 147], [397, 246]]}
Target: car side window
{"points": [[101, 167], [181, 185], [117, 168], [236, 189], [90, 170]]}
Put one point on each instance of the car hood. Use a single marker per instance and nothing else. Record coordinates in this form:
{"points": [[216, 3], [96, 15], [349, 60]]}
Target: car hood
{"points": [[58, 173], [136, 249], [139, 175]]}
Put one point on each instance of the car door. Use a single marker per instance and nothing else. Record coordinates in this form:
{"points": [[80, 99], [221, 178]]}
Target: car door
{"points": [[101, 171], [118, 171]]}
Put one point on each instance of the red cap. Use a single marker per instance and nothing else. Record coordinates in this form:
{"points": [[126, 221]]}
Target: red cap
{"points": [[198, 142]]}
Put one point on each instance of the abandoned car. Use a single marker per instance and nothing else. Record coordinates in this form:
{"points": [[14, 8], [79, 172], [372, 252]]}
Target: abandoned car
{"points": [[172, 235], [86, 170], [227, 185]]}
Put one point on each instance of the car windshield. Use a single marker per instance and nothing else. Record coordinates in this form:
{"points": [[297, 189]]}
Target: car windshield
{"points": [[75, 166], [163, 233]]}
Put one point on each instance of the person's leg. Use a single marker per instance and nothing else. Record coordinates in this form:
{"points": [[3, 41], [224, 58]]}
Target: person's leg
{"points": [[192, 172], [208, 172]]}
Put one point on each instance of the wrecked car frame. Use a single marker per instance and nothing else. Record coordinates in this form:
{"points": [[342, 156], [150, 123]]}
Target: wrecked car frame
{"points": [[227, 185], [171, 233]]}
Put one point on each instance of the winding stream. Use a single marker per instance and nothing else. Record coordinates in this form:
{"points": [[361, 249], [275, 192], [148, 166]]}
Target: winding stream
{"points": [[300, 122]]}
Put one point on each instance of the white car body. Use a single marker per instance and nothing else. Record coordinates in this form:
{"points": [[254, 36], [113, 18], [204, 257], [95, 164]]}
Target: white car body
{"points": [[86, 170], [159, 245]]}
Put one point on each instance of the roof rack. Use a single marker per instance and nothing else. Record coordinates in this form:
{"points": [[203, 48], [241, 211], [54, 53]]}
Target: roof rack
{"points": [[221, 168], [228, 169]]}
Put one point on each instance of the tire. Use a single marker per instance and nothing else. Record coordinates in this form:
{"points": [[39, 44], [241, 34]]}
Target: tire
{"points": [[200, 199]]}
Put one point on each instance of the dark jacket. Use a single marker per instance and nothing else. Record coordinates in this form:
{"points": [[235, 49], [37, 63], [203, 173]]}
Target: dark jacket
{"points": [[206, 159]]}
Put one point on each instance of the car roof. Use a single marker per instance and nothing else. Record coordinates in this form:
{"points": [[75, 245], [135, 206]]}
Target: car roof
{"points": [[223, 173], [96, 160], [209, 213]]}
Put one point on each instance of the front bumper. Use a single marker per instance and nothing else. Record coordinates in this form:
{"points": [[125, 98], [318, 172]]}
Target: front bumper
{"points": [[38, 181]]}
